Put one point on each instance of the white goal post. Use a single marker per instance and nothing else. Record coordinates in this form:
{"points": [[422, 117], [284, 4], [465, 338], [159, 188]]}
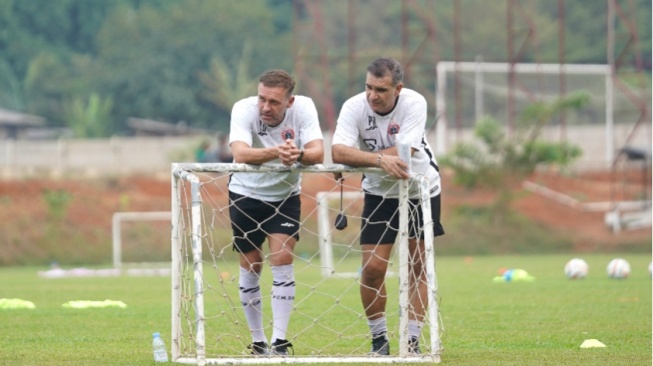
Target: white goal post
{"points": [[325, 226], [328, 324], [326, 218]]}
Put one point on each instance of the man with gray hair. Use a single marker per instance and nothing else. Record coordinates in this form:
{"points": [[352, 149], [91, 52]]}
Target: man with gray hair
{"points": [[365, 136]]}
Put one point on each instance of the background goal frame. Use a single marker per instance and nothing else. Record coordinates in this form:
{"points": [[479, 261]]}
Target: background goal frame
{"points": [[545, 70], [116, 228]]}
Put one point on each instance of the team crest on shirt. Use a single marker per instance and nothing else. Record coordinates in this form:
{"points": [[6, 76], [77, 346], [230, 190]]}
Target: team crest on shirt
{"points": [[288, 133], [393, 128]]}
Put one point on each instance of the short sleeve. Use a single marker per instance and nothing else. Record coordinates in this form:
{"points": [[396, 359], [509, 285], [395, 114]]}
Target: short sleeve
{"points": [[240, 125], [310, 122], [415, 121], [346, 132]]}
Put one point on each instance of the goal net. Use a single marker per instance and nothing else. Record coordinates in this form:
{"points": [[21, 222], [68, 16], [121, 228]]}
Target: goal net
{"points": [[470, 91], [327, 323]]}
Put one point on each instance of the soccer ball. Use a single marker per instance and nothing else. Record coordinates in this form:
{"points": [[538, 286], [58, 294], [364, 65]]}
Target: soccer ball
{"points": [[618, 268], [576, 269]]}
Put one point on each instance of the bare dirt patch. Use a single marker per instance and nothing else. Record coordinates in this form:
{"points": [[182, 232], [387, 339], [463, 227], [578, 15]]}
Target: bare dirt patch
{"points": [[91, 204], [575, 205]]}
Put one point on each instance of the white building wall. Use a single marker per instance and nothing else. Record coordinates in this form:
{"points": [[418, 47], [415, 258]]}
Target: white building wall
{"points": [[153, 155]]}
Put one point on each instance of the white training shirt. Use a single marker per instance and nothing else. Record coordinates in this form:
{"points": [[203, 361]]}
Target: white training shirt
{"points": [[300, 124], [359, 126]]}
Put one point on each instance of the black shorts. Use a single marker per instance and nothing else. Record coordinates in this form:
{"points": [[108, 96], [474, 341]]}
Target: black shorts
{"points": [[247, 214], [380, 222]]}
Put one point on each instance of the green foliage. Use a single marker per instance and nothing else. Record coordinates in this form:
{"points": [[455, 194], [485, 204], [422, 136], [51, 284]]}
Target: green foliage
{"points": [[224, 86], [154, 56], [500, 161], [12, 93], [148, 55], [478, 233], [89, 118], [57, 202], [125, 201]]}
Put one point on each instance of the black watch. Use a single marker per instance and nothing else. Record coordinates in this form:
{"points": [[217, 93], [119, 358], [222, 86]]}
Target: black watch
{"points": [[301, 156]]}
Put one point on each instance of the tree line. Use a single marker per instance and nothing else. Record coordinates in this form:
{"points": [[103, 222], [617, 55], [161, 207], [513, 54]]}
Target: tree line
{"points": [[90, 65]]}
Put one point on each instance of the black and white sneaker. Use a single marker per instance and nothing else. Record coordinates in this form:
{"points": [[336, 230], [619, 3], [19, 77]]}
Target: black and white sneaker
{"points": [[413, 346], [280, 347], [380, 346], [259, 349]]}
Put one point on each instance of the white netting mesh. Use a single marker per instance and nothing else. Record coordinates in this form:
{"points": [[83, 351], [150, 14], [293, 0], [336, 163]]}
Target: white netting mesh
{"points": [[469, 92], [328, 322]]}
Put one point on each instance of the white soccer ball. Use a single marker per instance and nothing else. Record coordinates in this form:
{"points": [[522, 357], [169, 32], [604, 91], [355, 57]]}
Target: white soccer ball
{"points": [[618, 268], [576, 269]]}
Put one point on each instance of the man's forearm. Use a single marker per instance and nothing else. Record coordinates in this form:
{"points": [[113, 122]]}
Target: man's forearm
{"points": [[352, 156], [313, 153], [256, 156]]}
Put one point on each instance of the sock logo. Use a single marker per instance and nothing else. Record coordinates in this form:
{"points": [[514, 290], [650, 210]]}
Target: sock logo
{"points": [[278, 297]]}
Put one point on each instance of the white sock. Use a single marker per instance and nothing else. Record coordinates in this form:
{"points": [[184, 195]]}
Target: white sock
{"points": [[414, 328], [283, 298], [250, 299], [377, 326]]}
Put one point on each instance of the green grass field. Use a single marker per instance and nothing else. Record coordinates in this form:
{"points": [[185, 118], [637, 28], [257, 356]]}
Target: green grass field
{"points": [[485, 323]]}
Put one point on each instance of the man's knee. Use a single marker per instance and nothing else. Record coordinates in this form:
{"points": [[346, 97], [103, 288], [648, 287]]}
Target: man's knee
{"points": [[252, 261], [373, 270], [252, 267], [281, 258], [281, 254]]}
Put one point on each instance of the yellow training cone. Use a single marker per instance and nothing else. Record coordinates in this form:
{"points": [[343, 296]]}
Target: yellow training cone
{"points": [[16, 304], [85, 304], [591, 343]]}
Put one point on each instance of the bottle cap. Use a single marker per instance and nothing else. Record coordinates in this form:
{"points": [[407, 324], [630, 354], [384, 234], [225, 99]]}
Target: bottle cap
{"points": [[156, 334]]}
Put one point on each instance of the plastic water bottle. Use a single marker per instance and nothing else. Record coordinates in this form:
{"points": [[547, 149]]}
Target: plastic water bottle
{"points": [[159, 348], [404, 149]]}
